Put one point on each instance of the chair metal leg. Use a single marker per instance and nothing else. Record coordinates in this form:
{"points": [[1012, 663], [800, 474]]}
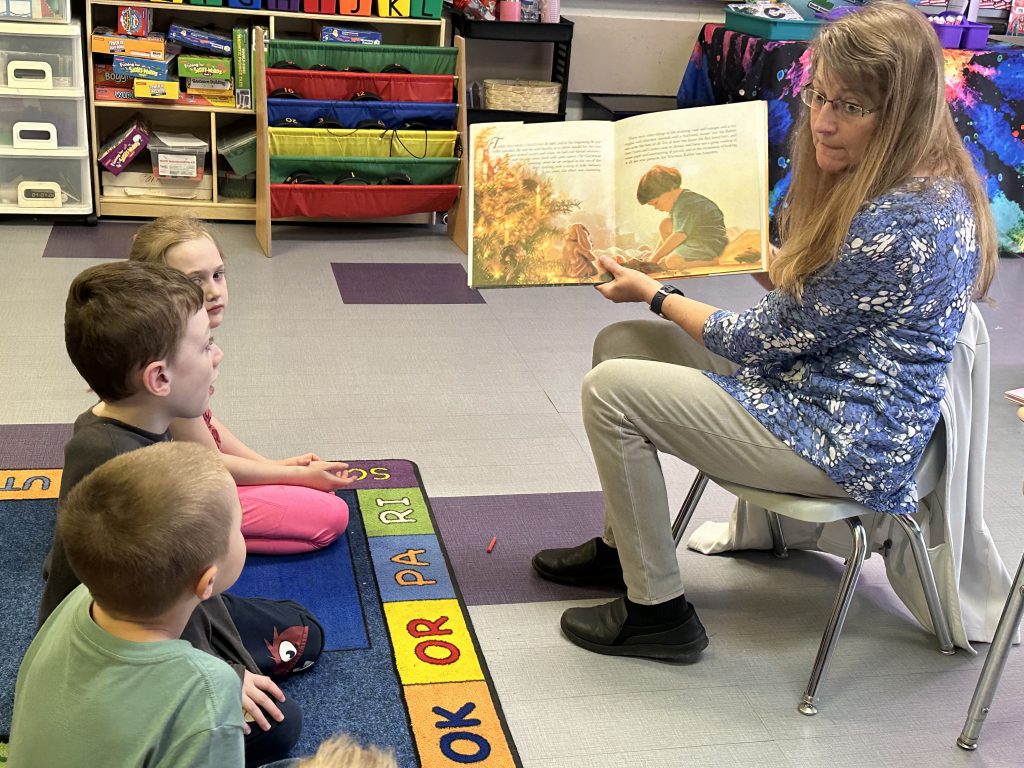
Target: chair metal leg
{"points": [[689, 505], [994, 663], [931, 591], [779, 548], [835, 623]]}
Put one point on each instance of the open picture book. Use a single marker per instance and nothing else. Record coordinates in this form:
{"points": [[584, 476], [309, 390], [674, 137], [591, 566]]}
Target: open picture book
{"points": [[674, 194]]}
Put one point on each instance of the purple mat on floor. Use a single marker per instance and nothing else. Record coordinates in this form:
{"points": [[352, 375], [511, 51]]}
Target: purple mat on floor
{"points": [[522, 524], [404, 284], [33, 446], [107, 240]]}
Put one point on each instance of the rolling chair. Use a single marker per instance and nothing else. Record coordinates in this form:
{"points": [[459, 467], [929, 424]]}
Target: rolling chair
{"points": [[827, 510]]}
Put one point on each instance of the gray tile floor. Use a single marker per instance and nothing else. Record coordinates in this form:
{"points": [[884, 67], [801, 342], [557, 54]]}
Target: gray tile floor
{"points": [[485, 399]]}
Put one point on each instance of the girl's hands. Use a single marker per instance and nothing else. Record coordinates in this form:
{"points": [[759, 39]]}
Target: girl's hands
{"points": [[325, 475], [299, 461], [626, 284], [256, 700]]}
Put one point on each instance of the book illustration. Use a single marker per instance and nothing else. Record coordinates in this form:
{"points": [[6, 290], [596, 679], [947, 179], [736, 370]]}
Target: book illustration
{"points": [[673, 194]]}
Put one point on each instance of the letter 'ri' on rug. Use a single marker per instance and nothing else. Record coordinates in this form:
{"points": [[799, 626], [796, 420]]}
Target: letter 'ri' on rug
{"points": [[401, 668]]}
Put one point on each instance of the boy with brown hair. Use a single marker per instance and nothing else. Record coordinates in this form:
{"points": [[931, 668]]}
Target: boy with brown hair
{"points": [[140, 336], [694, 232], [107, 667]]}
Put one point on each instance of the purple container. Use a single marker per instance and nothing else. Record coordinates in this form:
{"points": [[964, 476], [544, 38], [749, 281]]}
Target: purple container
{"points": [[975, 35], [291, 6], [950, 35]]}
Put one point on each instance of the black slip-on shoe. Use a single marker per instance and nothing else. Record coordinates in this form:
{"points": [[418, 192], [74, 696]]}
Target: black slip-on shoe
{"points": [[578, 567], [603, 629]]}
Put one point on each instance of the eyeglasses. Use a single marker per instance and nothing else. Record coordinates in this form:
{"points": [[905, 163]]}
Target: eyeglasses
{"points": [[816, 100]]}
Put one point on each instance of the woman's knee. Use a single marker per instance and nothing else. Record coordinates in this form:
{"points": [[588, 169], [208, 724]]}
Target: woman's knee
{"points": [[623, 339]]}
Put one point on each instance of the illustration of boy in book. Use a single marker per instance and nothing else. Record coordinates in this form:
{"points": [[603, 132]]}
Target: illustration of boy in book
{"points": [[693, 235]]}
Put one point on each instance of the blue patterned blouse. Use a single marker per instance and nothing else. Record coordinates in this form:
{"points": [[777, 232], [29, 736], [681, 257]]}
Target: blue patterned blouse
{"points": [[852, 377]]}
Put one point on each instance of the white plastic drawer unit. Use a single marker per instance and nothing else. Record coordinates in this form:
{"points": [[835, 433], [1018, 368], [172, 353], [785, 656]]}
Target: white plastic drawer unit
{"points": [[51, 185], [55, 11], [36, 58]]}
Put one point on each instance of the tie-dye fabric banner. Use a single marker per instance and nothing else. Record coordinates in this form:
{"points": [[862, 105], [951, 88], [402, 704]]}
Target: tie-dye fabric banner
{"points": [[985, 90]]}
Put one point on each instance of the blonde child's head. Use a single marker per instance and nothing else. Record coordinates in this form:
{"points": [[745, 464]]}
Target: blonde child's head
{"points": [[122, 316], [183, 242], [143, 529], [342, 752]]}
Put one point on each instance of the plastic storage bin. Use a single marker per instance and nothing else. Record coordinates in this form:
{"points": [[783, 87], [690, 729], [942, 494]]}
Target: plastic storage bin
{"points": [[42, 185], [38, 57], [42, 124], [239, 150], [966, 34], [177, 155], [55, 11], [769, 29]]}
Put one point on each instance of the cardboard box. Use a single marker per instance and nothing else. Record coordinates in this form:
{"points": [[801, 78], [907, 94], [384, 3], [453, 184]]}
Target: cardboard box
{"points": [[120, 93], [115, 93], [152, 46], [202, 100], [104, 74], [207, 85], [210, 40], [142, 183], [134, 21], [329, 34], [147, 68], [157, 89], [206, 67], [240, 36], [124, 144]]}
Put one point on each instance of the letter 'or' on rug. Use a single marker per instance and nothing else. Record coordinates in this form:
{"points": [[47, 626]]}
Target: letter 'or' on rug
{"points": [[401, 668]]}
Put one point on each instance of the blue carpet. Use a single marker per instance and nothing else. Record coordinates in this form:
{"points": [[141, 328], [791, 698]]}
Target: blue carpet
{"points": [[26, 529], [337, 584], [322, 581]]}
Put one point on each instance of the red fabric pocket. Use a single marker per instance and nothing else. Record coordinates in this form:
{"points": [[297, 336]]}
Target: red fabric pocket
{"points": [[352, 201], [342, 86]]}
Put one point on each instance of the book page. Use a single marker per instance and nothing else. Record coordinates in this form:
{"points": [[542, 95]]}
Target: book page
{"points": [[540, 195], [692, 191]]}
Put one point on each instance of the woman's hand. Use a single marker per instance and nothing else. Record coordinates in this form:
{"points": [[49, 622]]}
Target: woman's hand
{"points": [[299, 461], [626, 284], [256, 701]]}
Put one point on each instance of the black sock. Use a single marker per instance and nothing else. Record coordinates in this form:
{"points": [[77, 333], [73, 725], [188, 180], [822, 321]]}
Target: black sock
{"points": [[605, 555], [672, 611]]}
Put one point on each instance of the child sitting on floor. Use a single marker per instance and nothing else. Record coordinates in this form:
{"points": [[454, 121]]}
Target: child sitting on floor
{"points": [[288, 506], [106, 679]]}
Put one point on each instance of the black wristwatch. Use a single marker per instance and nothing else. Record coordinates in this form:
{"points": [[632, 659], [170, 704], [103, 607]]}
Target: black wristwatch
{"points": [[659, 298]]}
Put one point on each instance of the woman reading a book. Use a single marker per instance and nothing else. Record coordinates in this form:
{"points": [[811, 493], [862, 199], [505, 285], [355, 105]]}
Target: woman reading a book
{"points": [[828, 386]]}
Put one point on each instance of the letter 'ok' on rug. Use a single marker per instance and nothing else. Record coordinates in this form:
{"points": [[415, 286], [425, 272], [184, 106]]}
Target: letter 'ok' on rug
{"points": [[401, 667]]}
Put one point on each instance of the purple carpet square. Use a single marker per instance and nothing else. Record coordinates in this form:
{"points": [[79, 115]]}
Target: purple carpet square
{"points": [[404, 284], [521, 526], [107, 240], [33, 446]]}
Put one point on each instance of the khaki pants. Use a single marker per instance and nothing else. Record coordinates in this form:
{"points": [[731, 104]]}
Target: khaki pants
{"points": [[647, 393]]}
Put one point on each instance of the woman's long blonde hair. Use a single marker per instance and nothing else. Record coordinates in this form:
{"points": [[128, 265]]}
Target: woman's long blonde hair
{"points": [[154, 239], [892, 50]]}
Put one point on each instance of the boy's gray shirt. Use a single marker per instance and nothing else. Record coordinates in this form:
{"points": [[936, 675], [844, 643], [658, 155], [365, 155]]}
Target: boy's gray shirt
{"points": [[95, 441]]}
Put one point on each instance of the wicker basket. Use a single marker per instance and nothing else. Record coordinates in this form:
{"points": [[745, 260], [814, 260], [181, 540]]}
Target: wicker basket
{"points": [[522, 95]]}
